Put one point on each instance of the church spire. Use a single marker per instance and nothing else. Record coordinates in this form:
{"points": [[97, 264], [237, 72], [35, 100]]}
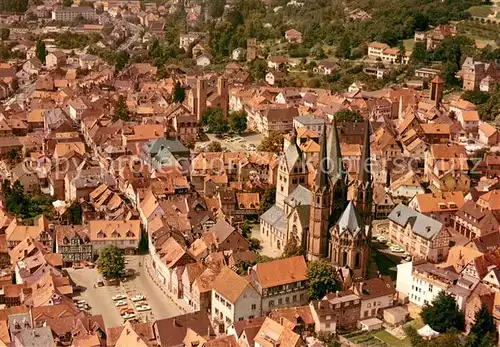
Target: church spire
{"points": [[322, 180], [334, 154], [364, 172]]}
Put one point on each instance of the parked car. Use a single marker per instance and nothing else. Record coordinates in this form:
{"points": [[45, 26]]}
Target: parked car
{"points": [[129, 316], [396, 249], [143, 308], [381, 239], [138, 297], [77, 266], [119, 297], [121, 303]]}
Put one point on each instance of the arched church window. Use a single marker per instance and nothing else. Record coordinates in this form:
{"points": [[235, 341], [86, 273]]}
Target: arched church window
{"points": [[344, 258], [357, 260]]}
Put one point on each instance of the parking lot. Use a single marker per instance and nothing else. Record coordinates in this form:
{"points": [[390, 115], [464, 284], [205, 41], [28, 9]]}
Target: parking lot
{"points": [[235, 143], [100, 298]]}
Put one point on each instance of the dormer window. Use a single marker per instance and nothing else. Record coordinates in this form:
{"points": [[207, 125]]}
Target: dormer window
{"points": [[115, 234], [130, 234]]}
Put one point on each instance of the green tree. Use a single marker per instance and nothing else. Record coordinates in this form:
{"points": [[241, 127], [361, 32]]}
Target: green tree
{"points": [[143, 243], [258, 69], [272, 144], [111, 262], [216, 8], [14, 85], [268, 200], [245, 229], [67, 3], [238, 121], [292, 247], [348, 116], [476, 97], [121, 60], [179, 93], [443, 313], [254, 244], [214, 146], [41, 51], [328, 339], [344, 47], [419, 53], [322, 277], [121, 110], [401, 51], [214, 119], [4, 34], [483, 331], [75, 214]]}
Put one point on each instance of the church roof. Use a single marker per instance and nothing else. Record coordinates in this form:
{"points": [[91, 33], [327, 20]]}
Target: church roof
{"points": [[300, 196], [334, 153], [364, 172], [275, 216], [293, 152], [350, 220]]}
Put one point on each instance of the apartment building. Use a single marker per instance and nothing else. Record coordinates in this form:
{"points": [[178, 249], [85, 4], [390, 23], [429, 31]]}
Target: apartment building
{"points": [[376, 294], [339, 310], [420, 235], [68, 14]]}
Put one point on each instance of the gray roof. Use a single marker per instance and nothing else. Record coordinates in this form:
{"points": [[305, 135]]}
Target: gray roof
{"points": [[294, 154], [310, 120], [421, 225], [350, 220], [300, 196], [36, 337], [275, 216]]}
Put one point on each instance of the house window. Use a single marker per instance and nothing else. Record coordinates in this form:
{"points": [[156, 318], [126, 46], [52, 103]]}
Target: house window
{"points": [[254, 307], [287, 299], [294, 298], [271, 303], [431, 287], [280, 301]]}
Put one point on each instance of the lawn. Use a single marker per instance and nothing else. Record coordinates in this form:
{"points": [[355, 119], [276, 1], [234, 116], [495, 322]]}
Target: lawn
{"points": [[480, 11], [384, 263], [391, 340], [409, 44]]}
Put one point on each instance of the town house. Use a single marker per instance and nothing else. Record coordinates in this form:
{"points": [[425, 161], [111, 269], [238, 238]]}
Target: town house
{"points": [[73, 243], [439, 206], [420, 235], [376, 294], [339, 310], [281, 283], [234, 299], [122, 234]]}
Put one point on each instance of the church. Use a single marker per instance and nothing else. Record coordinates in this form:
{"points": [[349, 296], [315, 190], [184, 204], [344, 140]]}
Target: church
{"points": [[312, 205]]}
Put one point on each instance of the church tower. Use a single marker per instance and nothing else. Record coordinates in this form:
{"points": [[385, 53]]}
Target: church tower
{"points": [[292, 171], [317, 239], [350, 240], [364, 183], [337, 175]]}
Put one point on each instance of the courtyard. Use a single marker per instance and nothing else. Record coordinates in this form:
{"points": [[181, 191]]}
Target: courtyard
{"points": [[100, 298]]}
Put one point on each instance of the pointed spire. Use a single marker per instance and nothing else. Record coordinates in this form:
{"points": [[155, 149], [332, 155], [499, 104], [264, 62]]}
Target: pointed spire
{"points": [[364, 172], [334, 154], [322, 172]]}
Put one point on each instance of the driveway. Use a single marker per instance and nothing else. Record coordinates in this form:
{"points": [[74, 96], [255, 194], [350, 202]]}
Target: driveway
{"points": [[100, 298]]}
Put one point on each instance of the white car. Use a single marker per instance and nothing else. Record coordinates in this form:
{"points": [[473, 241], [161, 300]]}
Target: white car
{"points": [[119, 297], [143, 308], [128, 316], [82, 302], [381, 239], [138, 297], [121, 303], [396, 249]]}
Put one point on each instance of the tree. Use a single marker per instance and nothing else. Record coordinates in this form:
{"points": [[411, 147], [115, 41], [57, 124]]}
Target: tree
{"points": [[238, 121], [483, 331], [213, 118], [258, 69], [121, 110], [245, 229], [14, 85], [419, 53], [179, 93], [5, 33], [272, 144], [254, 244], [111, 262], [75, 214], [443, 314], [143, 243], [214, 146], [292, 247], [121, 60], [401, 51], [216, 8], [40, 51], [268, 200], [476, 97], [322, 277], [67, 3], [344, 47], [348, 116]]}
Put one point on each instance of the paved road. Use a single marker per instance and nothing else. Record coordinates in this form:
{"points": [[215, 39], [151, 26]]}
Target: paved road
{"points": [[100, 298]]}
